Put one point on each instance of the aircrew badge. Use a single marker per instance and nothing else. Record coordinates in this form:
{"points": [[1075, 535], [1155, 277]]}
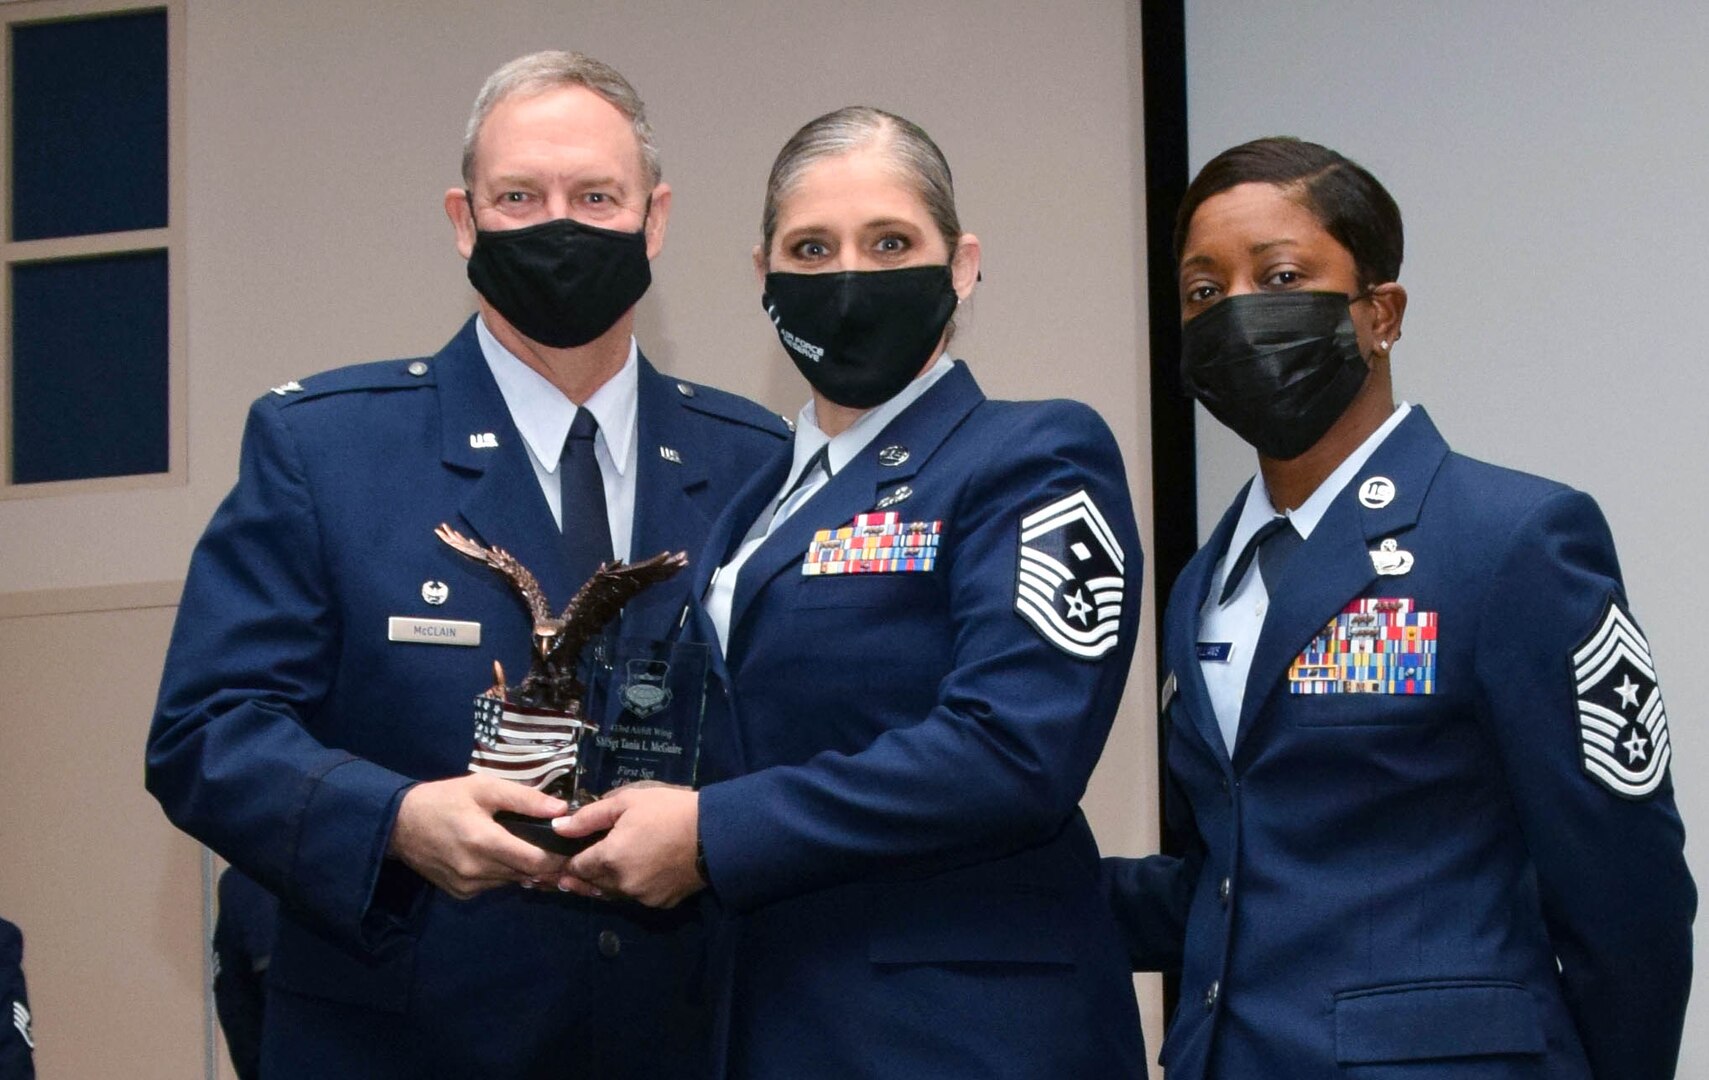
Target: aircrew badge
{"points": [[877, 543], [1377, 645], [1069, 584], [1623, 737]]}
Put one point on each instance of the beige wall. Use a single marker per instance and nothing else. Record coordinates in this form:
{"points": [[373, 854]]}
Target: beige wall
{"points": [[109, 896], [321, 135]]}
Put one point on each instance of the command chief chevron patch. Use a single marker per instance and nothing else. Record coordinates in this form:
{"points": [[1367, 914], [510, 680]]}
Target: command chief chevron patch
{"points": [[1622, 725], [1069, 583]]}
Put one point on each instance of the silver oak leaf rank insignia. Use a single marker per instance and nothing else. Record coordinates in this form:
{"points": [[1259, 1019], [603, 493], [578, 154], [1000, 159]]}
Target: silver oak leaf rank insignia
{"points": [[1069, 584]]}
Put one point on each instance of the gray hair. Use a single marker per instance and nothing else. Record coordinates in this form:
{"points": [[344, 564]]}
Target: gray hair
{"points": [[911, 151], [550, 70]]}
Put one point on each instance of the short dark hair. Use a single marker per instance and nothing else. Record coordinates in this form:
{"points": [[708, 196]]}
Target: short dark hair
{"points": [[1344, 197]]}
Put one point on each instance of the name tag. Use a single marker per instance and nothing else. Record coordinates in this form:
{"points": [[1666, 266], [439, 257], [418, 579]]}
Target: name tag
{"points": [[1215, 652], [433, 631]]}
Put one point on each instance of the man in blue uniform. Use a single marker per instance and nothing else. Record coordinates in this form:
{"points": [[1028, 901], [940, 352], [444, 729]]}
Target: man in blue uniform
{"points": [[1416, 744], [315, 723], [17, 1043]]}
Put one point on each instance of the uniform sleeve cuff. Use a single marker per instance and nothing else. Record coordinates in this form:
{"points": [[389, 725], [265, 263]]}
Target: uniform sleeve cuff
{"points": [[341, 870]]}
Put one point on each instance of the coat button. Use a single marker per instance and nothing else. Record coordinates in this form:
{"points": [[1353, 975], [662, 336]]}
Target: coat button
{"points": [[684, 389], [1213, 992], [1224, 889], [418, 368], [609, 943]]}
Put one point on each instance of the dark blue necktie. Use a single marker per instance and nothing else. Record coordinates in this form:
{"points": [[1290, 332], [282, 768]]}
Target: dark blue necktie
{"points": [[1274, 541], [581, 506]]}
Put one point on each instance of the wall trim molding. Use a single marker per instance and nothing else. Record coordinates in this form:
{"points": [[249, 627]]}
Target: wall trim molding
{"points": [[90, 598]]}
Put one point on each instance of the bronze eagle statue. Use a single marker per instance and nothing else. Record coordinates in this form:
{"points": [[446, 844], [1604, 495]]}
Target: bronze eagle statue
{"points": [[558, 640]]}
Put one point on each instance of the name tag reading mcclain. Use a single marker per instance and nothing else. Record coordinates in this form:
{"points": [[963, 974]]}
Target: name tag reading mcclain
{"points": [[433, 631]]}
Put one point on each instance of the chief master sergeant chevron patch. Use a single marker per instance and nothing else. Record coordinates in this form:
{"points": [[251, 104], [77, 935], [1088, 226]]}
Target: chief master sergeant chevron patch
{"points": [[1622, 725]]}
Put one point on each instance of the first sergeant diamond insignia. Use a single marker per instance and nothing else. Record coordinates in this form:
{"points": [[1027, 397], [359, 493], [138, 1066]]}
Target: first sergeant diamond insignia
{"points": [[1069, 584], [1623, 737]]}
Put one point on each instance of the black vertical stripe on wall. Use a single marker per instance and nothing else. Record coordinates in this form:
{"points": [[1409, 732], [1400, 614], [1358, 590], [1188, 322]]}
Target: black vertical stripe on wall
{"points": [[1174, 476]]}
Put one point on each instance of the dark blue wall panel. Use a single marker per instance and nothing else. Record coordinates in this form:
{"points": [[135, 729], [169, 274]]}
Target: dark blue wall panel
{"points": [[89, 368], [89, 125]]}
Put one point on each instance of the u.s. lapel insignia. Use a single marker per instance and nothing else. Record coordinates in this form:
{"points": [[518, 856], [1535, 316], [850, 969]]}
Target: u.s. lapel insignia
{"points": [[1623, 734], [1376, 492], [647, 688], [1389, 561], [877, 543], [435, 592], [1381, 645], [1069, 585], [901, 494], [292, 387], [670, 455], [483, 440], [892, 456]]}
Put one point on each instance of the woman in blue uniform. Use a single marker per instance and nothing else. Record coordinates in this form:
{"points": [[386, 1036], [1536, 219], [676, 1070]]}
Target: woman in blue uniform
{"points": [[926, 612], [1416, 743]]}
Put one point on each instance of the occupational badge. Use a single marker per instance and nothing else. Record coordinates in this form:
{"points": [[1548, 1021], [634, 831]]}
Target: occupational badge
{"points": [[1623, 738], [1389, 560], [568, 728], [1069, 584]]}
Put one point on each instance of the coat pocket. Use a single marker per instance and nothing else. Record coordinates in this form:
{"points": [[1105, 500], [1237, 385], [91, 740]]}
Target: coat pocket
{"points": [[304, 962], [1448, 1018], [905, 590], [916, 923]]}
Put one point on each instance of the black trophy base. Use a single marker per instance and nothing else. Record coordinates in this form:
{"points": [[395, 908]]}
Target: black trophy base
{"points": [[538, 831]]}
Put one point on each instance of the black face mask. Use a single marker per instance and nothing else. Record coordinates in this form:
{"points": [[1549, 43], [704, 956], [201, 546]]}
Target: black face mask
{"points": [[860, 336], [1278, 369], [560, 282]]}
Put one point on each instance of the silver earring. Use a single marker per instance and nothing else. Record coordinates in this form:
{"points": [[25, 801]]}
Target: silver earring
{"points": [[1383, 345]]}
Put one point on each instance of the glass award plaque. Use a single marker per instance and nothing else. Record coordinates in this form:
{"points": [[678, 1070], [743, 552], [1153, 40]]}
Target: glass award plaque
{"points": [[647, 697]]}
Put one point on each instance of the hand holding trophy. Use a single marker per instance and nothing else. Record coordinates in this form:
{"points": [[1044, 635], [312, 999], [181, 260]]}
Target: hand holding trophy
{"points": [[533, 733]]}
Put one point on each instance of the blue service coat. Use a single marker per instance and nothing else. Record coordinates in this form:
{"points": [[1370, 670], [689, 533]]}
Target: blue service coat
{"points": [[289, 726], [1393, 884], [17, 1039], [911, 886]]}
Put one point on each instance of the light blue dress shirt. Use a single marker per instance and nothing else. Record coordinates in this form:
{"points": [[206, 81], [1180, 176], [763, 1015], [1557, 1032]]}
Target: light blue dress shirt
{"points": [[543, 415]]}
